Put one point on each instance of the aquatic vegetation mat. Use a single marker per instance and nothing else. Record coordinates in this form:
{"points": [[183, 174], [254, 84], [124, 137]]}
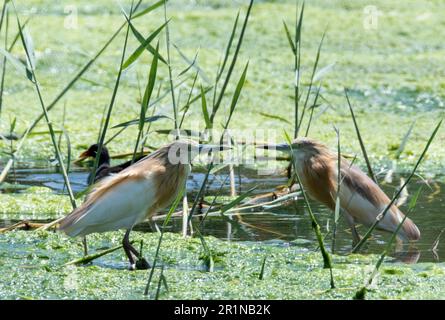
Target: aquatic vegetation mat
{"points": [[32, 267]]}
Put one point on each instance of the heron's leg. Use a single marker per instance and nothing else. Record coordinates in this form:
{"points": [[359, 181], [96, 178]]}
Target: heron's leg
{"points": [[127, 248], [85, 246], [141, 263], [399, 245], [289, 170]]}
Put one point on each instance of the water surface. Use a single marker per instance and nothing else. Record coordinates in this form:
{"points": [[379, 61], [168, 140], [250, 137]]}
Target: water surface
{"points": [[285, 225]]}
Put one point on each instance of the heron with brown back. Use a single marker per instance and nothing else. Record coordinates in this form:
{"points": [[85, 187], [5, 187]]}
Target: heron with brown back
{"points": [[361, 199], [134, 194]]}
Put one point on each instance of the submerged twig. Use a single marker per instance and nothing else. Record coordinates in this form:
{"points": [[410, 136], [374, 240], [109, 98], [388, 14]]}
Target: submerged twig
{"points": [[88, 258]]}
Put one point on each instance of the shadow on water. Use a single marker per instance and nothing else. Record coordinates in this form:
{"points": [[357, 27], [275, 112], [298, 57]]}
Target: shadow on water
{"points": [[286, 225]]}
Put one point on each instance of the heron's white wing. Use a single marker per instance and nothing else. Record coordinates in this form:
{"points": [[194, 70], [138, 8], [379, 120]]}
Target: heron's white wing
{"points": [[121, 206]]}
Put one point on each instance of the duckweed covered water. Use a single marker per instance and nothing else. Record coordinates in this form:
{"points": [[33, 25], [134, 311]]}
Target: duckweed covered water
{"points": [[31, 267]]}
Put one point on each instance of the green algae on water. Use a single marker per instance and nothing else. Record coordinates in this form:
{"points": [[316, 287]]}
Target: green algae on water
{"points": [[35, 203]]}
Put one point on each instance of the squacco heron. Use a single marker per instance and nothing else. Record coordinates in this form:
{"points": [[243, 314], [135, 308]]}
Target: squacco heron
{"points": [[361, 199], [135, 194]]}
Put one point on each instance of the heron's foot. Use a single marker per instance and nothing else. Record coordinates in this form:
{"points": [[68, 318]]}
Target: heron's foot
{"points": [[142, 264]]}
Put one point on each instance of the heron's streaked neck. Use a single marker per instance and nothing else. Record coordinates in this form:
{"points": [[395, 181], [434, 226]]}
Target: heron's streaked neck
{"points": [[299, 159], [298, 156]]}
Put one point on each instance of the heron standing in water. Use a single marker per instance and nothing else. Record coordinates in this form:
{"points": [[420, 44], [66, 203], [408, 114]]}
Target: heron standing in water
{"points": [[361, 199], [122, 200]]}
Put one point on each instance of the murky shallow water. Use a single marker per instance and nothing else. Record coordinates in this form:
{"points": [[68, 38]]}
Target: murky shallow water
{"points": [[286, 225]]}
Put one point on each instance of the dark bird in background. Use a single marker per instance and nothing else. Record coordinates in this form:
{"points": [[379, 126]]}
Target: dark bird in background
{"points": [[104, 168], [361, 199]]}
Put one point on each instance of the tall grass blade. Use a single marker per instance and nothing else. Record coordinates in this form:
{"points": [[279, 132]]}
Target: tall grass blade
{"points": [[111, 105], [360, 294], [225, 126], [69, 85], [149, 9], [138, 121], [297, 64], [238, 200], [144, 45], [4, 13], [209, 261], [404, 141], [146, 99], [309, 90], [16, 63], [237, 92], [232, 64], [205, 112], [314, 105], [187, 105], [289, 38], [263, 265], [29, 53], [166, 221], [275, 117], [337, 194], [102, 120], [142, 41], [17, 35], [80, 73], [2, 81], [323, 71], [192, 64], [158, 290], [359, 136], [170, 76], [227, 53], [437, 241], [157, 100], [10, 162]]}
